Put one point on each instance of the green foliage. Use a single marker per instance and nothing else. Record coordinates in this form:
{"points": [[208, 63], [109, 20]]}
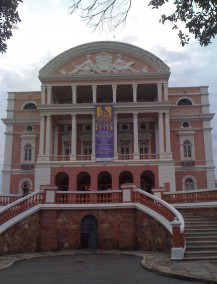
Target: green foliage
{"points": [[8, 20], [199, 17]]}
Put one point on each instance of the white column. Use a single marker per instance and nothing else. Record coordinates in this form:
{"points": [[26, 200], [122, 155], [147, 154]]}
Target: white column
{"points": [[43, 90], [94, 87], [49, 92], [114, 92], [74, 94], [134, 93], [161, 134], [56, 140], [48, 136], [115, 136], [165, 91], [93, 137], [41, 145], [73, 138], [168, 143], [159, 92], [135, 136]]}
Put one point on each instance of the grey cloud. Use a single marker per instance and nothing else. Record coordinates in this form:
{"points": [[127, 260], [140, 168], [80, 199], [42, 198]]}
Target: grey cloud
{"points": [[194, 66], [21, 79]]}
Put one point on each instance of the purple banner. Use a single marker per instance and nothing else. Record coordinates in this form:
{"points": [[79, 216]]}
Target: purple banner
{"points": [[104, 133]]}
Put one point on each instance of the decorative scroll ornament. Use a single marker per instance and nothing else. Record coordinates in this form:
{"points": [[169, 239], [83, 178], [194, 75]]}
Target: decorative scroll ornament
{"points": [[103, 65]]}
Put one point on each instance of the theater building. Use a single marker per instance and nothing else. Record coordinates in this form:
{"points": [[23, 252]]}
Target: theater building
{"points": [[105, 116]]}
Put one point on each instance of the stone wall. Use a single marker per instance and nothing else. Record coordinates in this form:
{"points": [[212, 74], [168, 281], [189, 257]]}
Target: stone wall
{"points": [[150, 234], [52, 230], [25, 236]]}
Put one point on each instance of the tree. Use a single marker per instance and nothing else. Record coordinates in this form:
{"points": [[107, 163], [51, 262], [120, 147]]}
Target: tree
{"points": [[8, 19], [198, 16]]}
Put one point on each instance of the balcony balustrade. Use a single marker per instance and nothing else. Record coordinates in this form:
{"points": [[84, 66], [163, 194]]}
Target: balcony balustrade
{"points": [[120, 157]]}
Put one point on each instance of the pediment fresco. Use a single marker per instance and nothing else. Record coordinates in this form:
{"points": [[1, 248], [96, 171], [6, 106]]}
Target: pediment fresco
{"points": [[104, 63]]}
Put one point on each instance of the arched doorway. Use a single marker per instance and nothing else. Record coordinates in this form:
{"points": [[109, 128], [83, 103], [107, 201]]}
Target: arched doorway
{"points": [[147, 181], [83, 181], [125, 177], [89, 232], [104, 181], [62, 181]]}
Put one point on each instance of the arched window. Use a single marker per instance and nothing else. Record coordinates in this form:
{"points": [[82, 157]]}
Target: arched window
{"points": [[125, 148], [144, 148], [187, 149], [125, 177], [28, 152], [87, 148], [29, 106], [189, 184], [104, 181], [184, 102], [83, 181]]}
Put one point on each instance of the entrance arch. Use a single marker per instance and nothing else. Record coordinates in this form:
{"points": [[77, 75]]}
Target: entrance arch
{"points": [[62, 181], [89, 232], [125, 177], [83, 181], [147, 181], [104, 181]]}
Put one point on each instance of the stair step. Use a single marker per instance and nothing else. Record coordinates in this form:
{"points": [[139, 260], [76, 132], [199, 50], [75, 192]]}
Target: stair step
{"points": [[200, 238], [201, 253], [202, 243], [201, 248], [201, 230], [200, 258]]}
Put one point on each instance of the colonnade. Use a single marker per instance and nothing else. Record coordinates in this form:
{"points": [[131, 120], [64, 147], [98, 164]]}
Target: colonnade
{"points": [[47, 98], [163, 136]]}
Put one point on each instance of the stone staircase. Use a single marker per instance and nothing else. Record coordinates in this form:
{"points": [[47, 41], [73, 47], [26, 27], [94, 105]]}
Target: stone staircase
{"points": [[200, 236]]}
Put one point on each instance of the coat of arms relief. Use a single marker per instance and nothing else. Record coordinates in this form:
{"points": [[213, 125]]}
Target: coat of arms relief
{"points": [[104, 65]]}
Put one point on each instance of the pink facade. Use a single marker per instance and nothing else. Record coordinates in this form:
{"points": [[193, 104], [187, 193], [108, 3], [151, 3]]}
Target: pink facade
{"points": [[162, 135]]}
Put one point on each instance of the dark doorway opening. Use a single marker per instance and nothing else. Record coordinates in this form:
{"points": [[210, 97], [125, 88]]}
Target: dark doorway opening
{"points": [[125, 177], [104, 181], [83, 181], [147, 181], [89, 232], [62, 181]]}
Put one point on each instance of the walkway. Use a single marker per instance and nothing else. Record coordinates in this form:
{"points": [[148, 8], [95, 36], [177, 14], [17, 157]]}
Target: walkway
{"points": [[107, 267]]}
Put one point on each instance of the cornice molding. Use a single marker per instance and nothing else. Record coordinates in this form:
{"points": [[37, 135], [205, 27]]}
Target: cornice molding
{"points": [[102, 77]]}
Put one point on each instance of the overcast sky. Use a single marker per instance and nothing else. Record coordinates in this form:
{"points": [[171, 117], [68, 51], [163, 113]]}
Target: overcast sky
{"points": [[47, 29]]}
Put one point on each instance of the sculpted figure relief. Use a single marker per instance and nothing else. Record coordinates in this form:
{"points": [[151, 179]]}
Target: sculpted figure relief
{"points": [[104, 65]]}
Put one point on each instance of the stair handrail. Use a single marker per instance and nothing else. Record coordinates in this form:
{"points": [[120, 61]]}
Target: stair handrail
{"points": [[13, 209], [176, 214]]}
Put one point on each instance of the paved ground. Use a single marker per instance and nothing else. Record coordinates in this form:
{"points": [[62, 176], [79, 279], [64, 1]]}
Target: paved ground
{"points": [[107, 267]]}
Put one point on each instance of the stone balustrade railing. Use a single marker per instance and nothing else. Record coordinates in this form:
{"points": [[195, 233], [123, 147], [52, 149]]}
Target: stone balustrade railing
{"points": [[191, 196], [20, 205], [121, 157], [7, 199], [88, 197]]}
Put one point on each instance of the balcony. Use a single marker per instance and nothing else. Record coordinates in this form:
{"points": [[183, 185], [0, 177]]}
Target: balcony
{"points": [[90, 158]]}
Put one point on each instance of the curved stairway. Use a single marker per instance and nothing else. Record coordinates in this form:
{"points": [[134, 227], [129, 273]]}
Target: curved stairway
{"points": [[200, 235]]}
